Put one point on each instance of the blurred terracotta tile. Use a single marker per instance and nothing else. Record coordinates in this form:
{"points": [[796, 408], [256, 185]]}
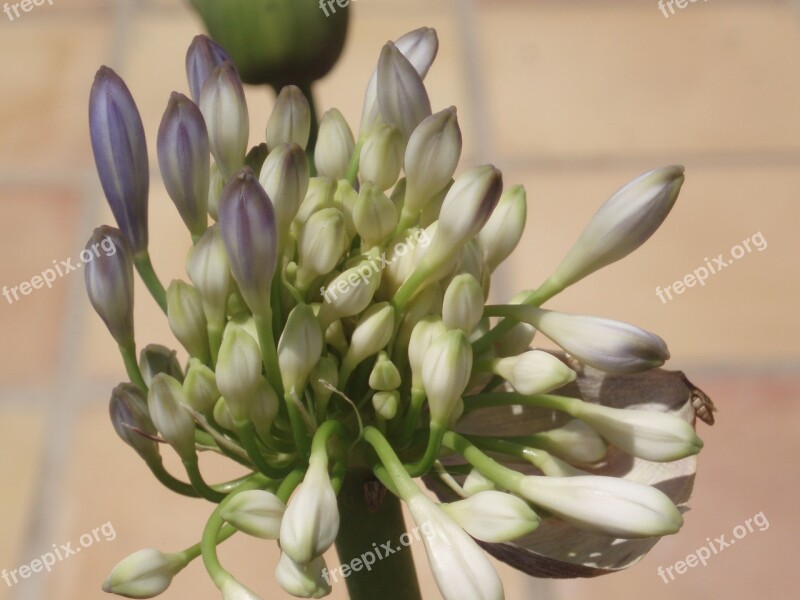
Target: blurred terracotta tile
{"points": [[744, 314], [37, 229], [21, 444], [603, 78], [43, 116]]}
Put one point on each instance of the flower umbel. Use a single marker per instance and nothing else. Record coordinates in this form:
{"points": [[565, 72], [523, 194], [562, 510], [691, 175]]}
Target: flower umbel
{"points": [[337, 334]]}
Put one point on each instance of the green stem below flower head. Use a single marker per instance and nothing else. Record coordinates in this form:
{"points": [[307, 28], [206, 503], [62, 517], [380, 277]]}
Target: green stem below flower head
{"points": [[199, 484], [425, 463], [488, 467], [247, 437], [150, 279], [132, 366]]}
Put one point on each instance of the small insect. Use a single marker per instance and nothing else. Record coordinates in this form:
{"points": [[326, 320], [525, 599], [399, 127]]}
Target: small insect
{"points": [[703, 406]]}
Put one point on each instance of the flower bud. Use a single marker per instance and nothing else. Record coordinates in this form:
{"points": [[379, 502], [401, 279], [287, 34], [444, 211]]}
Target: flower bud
{"points": [[382, 156], [215, 188], [420, 48], [284, 177], [356, 287], [203, 56], [290, 120], [166, 403], [551, 465], [335, 145], [200, 387], [155, 359], [516, 341], [575, 442], [233, 590], [320, 195], [224, 108], [623, 223], [431, 159], [109, 284], [299, 348], [265, 409], [493, 516], [222, 415], [647, 434], [131, 421], [345, 200], [461, 569], [238, 371], [372, 333], [463, 303], [608, 505], [255, 512], [503, 230], [445, 374], [183, 156], [611, 346], [385, 404], [187, 320], [144, 574], [321, 244], [533, 372], [430, 212], [311, 521], [374, 216], [476, 482], [384, 376], [120, 153], [303, 580], [402, 98], [326, 371], [422, 337], [209, 270], [247, 225]]}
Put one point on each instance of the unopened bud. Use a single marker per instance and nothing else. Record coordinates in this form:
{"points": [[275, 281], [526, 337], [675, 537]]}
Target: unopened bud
{"points": [[203, 56], [200, 387], [386, 403], [303, 580], [255, 512], [503, 230], [533, 372], [384, 376], [320, 195], [187, 320], [144, 574], [463, 303], [284, 177], [402, 98], [167, 406], [131, 421], [492, 516], [322, 242], [238, 371], [445, 374], [290, 121], [299, 348], [374, 216], [382, 156], [335, 145], [422, 337], [372, 333], [265, 409], [155, 359], [224, 108]]}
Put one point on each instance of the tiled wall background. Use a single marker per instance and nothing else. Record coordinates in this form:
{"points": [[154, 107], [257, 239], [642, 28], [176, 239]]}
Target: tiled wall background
{"points": [[572, 99]]}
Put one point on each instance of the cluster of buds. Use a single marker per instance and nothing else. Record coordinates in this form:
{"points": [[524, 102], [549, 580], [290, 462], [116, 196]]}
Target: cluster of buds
{"points": [[300, 385]]}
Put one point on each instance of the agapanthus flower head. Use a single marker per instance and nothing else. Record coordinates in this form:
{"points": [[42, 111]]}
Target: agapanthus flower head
{"points": [[340, 344]]}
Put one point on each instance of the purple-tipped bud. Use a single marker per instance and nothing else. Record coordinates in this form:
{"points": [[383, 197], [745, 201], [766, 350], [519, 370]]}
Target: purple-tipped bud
{"points": [[120, 152], [131, 420], [402, 98], [109, 283], [155, 359], [183, 156], [247, 226], [203, 56], [224, 108]]}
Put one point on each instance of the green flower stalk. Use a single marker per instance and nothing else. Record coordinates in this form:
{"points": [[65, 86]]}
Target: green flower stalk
{"points": [[337, 343]]}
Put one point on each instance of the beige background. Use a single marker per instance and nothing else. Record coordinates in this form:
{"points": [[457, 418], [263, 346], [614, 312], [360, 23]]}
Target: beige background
{"points": [[570, 98]]}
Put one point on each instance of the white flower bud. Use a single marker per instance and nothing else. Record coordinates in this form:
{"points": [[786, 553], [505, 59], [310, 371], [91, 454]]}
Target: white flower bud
{"points": [[200, 387], [463, 303], [284, 176], [265, 409], [386, 403], [516, 341], [476, 482], [290, 120], [186, 317], [233, 590], [623, 223], [322, 242], [209, 270], [255, 512], [223, 416], [533, 372], [320, 195], [401, 260], [299, 348], [239, 371], [384, 376], [402, 98], [335, 145], [575, 442], [445, 374], [608, 505], [224, 109], [422, 337], [503, 230], [311, 520], [647, 434], [372, 333], [166, 403], [493, 516], [611, 346], [374, 216], [382, 156], [461, 569], [431, 159], [345, 200], [303, 580], [349, 293], [144, 574]]}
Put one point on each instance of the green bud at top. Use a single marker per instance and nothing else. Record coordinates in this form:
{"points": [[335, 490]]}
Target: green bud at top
{"points": [[290, 120], [224, 108], [335, 145], [384, 377], [167, 406], [155, 359]]}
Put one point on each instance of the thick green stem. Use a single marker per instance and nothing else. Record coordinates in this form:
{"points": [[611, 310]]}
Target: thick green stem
{"points": [[367, 518], [132, 366], [148, 275]]}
